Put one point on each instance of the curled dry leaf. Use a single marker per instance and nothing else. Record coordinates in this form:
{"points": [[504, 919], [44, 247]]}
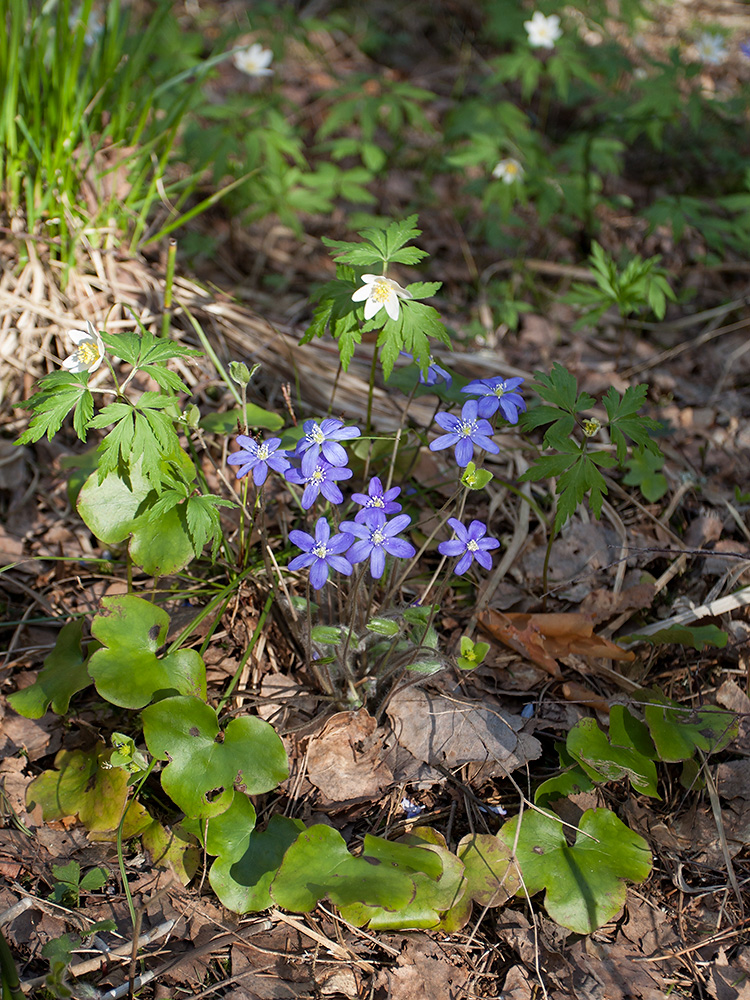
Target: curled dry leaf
{"points": [[544, 638]]}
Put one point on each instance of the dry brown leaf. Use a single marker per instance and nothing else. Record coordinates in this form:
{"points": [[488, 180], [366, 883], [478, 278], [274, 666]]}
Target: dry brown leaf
{"points": [[443, 730], [603, 604], [422, 970], [543, 638], [344, 759]]}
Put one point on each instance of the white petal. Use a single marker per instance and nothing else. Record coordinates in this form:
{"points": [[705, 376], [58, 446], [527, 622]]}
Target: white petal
{"points": [[402, 293], [391, 305], [74, 365], [79, 337], [371, 307], [370, 279], [361, 293]]}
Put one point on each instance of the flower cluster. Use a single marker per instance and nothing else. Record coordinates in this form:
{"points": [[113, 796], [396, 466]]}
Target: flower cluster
{"points": [[319, 462]]}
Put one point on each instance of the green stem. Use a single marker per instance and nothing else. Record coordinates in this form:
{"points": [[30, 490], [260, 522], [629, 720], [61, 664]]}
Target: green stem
{"points": [[250, 646], [545, 569], [166, 319], [371, 390], [211, 353], [120, 855], [11, 984]]}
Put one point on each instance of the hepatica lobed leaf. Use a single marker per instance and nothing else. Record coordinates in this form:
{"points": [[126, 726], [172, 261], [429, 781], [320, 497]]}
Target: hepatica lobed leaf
{"points": [[81, 787], [628, 752], [114, 510], [127, 671], [63, 675], [436, 872], [678, 731], [585, 881], [491, 877], [242, 884], [319, 866], [207, 765]]}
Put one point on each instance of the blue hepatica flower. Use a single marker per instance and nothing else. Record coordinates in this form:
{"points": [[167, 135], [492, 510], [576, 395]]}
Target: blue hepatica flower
{"points": [[435, 373], [497, 394], [321, 479], [376, 537], [322, 439], [258, 457], [470, 544], [745, 48], [322, 553], [464, 432], [376, 499]]}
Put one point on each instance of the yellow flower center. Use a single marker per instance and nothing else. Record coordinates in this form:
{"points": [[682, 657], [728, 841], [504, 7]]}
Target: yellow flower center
{"points": [[320, 550], [471, 545], [377, 537], [263, 452], [317, 436], [465, 428], [500, 390], [88, 354], [318, 476], [511, 169], [381, 291], [377, 502]]}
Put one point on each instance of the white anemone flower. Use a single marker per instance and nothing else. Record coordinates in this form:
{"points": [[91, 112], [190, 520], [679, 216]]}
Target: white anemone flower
{"points": [[543, 31], [89, 352], [508, 171], [711, 48], [254, 61], [379, 291]]}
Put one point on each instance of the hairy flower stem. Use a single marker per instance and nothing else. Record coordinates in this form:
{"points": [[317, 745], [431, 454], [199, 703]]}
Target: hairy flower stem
{"points": [[11, 985], [371, 390], [397, 438], [415, 559], [352, 621], [120, 854], [545, 568]]}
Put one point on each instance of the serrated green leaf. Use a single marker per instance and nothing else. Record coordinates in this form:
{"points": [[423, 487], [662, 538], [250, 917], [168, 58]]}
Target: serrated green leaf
{"points": [[584, 882], [625, 422], [424, 289], [123, 345], [207, 765], [60, 393], [165, 378]]}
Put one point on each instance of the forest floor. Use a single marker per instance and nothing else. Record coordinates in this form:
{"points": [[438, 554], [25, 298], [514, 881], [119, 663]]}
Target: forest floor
{"points": [[683, 932]]}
